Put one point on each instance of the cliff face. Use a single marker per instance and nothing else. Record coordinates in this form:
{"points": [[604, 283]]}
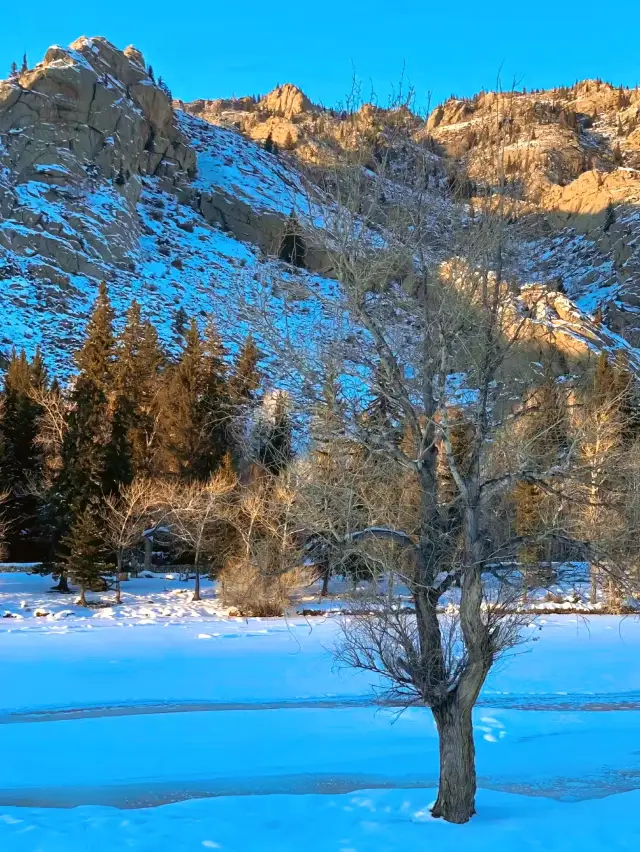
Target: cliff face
{"points": [[102, 177], [573, 155], [86, 123]]}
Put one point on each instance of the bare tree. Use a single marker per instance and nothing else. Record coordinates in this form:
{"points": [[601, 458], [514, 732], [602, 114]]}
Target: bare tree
{"points": [[129, 517], [421, 314], [263, 569], [52, 427], [604, 421], [196, 513]]}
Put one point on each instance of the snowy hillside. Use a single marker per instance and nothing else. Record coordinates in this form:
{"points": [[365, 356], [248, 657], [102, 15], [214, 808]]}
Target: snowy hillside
{"points": [[168, 241]]}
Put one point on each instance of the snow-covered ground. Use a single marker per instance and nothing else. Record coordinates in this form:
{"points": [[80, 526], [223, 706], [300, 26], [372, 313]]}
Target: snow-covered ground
{"points": [[27, 600], [168, 726]]}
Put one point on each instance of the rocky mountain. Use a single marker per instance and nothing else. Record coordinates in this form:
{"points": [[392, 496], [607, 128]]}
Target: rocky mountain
{"points": [[572, 154], [103, 177]]}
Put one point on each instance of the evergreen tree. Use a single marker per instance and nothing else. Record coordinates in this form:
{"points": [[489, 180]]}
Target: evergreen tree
{"points": [[84, 559], [609, 217], [214, 410], [163, 87], [545, 433], [95, 358], [90, 466], [21, 465], [618, 157], [607, 421], [124, 408], [151, 363], [380, 416], [180, 322], [25, 65], [118, 460], [245, 378], [181, 391], [138, 369], [196, 407], [13, 75]]}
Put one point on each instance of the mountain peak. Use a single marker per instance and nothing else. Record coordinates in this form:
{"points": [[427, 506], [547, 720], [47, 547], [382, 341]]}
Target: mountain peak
{"points": [[287, 101]]}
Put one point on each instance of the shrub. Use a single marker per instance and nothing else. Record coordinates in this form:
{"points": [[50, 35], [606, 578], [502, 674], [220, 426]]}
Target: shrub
{"points": [[259, 584]]}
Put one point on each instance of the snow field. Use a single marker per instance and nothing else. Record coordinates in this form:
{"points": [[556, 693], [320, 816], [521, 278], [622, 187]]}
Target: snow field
{"points": [[183, 729]]}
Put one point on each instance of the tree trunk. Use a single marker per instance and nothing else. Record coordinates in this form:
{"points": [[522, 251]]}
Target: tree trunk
{"points": [[118, 572], [326, 576], [457, 786], [593, 585], [148, 553], [63, 584], [196, 590], [83, 599]]}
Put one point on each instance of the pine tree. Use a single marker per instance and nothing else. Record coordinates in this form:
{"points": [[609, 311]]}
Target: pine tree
{"points": [[151, 363], [196, 407], [180, 322], [380, 416], [118, 462], [14, 74], [138, 369], [609, 217], [21, 464], [603, 424], [39, 373], [545, 435], [618, 157], [460, 436], [95, 358], [181, 391], [90, 467], [269, 144], [150, 73], [124, 406], [213, 411], [245, 379], [25, 65], [528, 520], [84, 557]]}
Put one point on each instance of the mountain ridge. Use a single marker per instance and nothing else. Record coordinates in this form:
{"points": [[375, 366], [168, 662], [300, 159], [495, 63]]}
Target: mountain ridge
{"points": [[103, 177]]}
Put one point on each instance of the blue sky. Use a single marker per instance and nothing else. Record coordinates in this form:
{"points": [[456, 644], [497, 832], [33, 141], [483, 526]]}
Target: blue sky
{"points": [[205, 48]]}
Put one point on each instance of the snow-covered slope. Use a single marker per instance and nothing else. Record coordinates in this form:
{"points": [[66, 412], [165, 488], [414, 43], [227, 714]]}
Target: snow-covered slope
{"points": [[164, 234]]}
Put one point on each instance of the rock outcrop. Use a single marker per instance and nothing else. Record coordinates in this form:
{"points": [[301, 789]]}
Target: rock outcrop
{"points": [[77, 134], [91, 106]]}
